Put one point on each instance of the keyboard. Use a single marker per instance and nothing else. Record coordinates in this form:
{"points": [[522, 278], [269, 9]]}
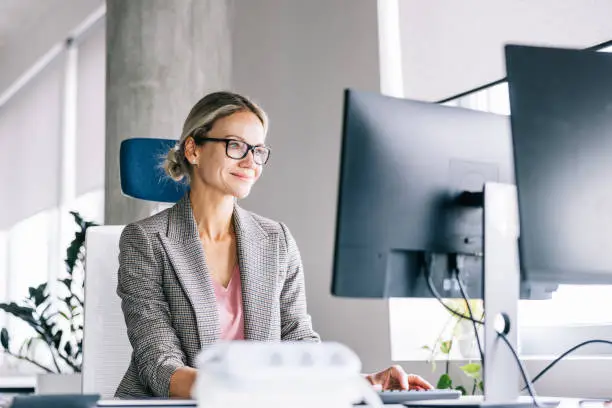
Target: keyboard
{"points": [[398, 397]]}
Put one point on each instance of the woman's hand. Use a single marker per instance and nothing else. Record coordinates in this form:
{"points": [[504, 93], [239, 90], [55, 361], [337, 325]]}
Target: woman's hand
{"points": [[395, 378], [181, 382]]}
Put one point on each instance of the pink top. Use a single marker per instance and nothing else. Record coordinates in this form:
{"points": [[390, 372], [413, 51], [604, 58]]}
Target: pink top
{"points": [[229, 302]]}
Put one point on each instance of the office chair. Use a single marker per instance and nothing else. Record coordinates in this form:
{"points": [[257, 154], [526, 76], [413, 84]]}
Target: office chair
{"points": [[106, 348]]}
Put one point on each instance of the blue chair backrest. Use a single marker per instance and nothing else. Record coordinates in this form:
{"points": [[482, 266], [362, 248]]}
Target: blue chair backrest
{"points": [[141, 173]]}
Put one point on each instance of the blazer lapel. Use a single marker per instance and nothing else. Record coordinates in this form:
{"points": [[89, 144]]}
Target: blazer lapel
{"points": [[184, 249], [258, 261]]}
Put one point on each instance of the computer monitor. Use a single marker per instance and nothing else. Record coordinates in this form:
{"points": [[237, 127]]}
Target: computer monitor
{"points": [[405, 164], [404, 167], [561, 103]]}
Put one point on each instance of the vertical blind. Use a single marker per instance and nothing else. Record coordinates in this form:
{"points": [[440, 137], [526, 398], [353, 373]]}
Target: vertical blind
{"points": [[90, 119], [30, 142]]}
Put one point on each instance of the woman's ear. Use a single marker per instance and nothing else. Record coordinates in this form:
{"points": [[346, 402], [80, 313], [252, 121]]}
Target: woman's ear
{"points": [[191, 153]]}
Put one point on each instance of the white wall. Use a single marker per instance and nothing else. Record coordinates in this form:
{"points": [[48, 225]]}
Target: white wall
{"points": [[295, 57], [450, 46]]}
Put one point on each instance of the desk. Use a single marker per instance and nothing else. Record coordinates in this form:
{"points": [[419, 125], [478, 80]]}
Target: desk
{"points": [[565, 403], [17, 385]]}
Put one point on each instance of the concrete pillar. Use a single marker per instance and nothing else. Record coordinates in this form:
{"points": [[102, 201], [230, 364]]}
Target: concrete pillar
{"points": [[162, 56]]}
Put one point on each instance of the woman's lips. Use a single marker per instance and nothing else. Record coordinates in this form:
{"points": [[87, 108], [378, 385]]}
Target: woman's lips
{"points": [[242, 176]]}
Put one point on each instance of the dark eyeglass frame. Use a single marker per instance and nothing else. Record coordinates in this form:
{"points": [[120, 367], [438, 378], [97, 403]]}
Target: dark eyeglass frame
{"points": [[250, 148]]}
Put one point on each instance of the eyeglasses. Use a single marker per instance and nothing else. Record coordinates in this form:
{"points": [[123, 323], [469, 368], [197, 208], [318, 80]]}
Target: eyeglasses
{"points": [[237, 149]]}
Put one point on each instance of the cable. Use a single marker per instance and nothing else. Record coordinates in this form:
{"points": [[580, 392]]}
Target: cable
{"points": [[434, 292], [528, 383], [556, 360], [465, 297]]}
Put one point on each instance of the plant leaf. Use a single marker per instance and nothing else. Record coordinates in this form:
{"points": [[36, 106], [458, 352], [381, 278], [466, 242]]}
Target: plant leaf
{"points": [[39, 309], [46, 309], [64, 315], [462, 389], [57, 338], [39, 294], [68, 348], [472, 370], [4, 338], [481, 386], [27, 346], [75, 249], [24, 313], [67, 282], [445, 346], [444, 382]]}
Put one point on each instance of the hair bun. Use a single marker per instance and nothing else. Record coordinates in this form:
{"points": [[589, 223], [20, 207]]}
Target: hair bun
{"points": [[173, 165]]}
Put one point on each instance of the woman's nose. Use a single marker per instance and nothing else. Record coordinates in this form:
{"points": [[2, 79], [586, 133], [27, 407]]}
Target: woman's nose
{"points": [[249, 160]]}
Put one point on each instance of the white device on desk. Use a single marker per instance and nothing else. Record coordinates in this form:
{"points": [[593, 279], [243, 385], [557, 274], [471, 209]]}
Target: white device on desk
{"points": [[296, 374], [147, 402]]}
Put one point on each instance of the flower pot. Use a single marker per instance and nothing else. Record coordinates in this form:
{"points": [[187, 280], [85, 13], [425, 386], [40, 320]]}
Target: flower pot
{"points": [[58, 383]]}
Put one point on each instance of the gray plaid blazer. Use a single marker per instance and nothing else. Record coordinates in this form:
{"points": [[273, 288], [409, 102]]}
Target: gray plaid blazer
{"points": [[168, 299]]}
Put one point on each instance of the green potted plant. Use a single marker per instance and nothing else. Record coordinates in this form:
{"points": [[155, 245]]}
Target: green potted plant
{"points": [[458, 333], [56, 345]]}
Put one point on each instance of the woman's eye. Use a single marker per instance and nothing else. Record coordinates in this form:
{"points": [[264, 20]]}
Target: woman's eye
{"points": [[234, 145]]}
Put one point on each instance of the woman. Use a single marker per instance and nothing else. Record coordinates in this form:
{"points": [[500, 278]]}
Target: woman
{"points": [[207, 269]]}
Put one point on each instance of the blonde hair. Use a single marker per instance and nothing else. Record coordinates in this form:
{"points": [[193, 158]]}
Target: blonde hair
{"points": [[200, 121]]}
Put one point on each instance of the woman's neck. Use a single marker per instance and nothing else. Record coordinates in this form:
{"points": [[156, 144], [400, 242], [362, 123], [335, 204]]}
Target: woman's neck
{"points": [[212, 212]]}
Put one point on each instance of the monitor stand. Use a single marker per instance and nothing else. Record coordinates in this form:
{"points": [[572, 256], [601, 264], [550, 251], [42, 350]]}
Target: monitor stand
{"points": [[501, 281]]}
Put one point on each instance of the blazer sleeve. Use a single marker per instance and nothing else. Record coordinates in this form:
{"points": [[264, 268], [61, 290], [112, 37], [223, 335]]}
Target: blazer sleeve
{"points": [[157, 350], [296, 323]]}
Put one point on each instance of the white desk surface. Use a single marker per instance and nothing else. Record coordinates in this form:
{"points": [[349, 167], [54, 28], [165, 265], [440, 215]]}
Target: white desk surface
{"points": [[565, 403], [21, 381]]}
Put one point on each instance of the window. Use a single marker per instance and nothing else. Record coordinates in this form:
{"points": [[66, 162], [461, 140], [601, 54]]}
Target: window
{"points": [[55, 120], [548, 327]]}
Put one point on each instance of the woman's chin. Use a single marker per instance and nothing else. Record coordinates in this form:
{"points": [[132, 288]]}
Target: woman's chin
{"points": [[241, 193]]}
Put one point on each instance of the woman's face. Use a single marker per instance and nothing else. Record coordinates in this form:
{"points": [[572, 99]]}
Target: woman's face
{"points": [[225, 174]]}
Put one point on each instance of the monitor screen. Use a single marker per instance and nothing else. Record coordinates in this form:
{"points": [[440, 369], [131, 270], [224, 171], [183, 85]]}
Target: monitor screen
{"points": [[561, 104]]}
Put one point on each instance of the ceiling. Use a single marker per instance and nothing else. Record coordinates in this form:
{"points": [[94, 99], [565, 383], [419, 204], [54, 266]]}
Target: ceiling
{"points": [[19, 15], [30, 28], [452, 46]]}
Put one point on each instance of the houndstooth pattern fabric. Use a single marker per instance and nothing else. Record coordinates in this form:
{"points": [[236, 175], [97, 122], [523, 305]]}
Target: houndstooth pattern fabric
{"points": [[168, 299]]}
